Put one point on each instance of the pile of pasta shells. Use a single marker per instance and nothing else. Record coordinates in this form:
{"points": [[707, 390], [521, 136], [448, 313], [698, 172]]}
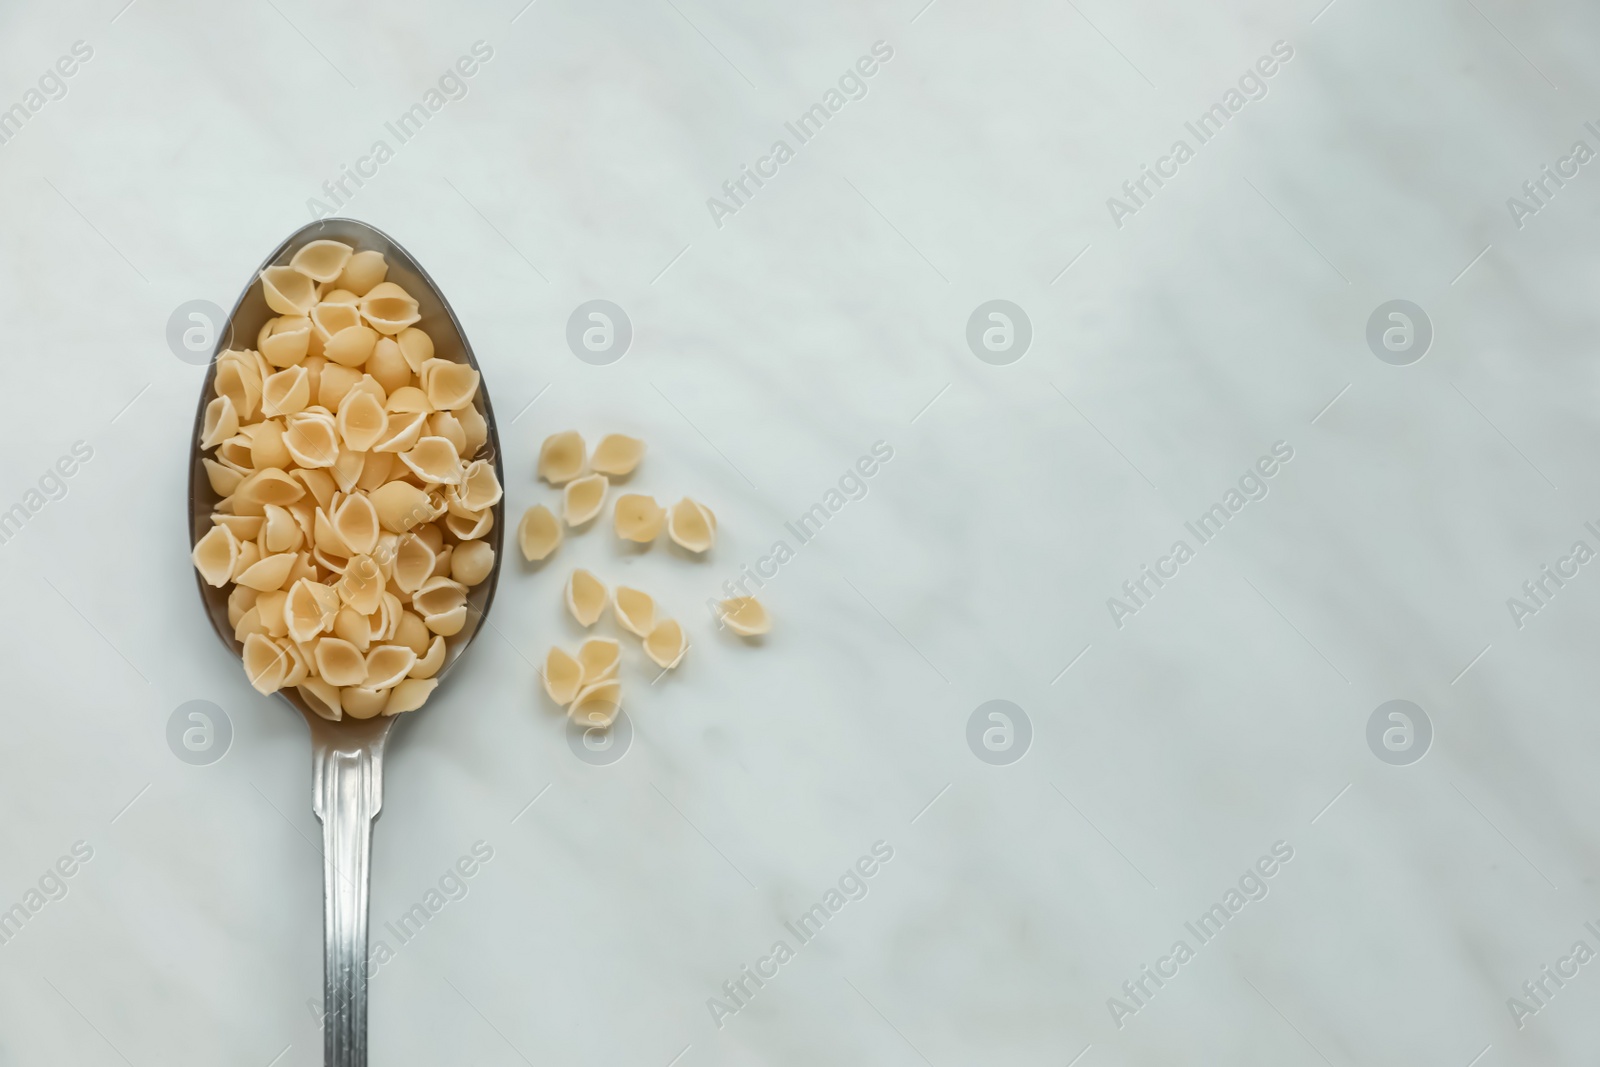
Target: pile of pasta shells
{"points": [[587, 682], [354, 493]]}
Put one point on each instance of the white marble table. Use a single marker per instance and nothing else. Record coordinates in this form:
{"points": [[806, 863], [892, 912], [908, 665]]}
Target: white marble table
{"points": [[1177, 732]]}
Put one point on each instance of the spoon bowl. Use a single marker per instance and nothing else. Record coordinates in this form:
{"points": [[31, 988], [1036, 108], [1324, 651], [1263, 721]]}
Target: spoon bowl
{"points": [[347, 754]]}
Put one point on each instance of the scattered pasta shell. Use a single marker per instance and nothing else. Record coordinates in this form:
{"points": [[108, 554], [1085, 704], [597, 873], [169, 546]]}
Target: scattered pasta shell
{"points": [[638, 518], [434, 459], [586, 597], [561, 457], [617, 454], [215, 556], [286, 392], [563, 676], [691, 525], [428, 664], [388, 665], [600, 658], [360, 702], [597, 705], [450, 386], [288, 292], [322, 261], [221, 422], [285, 341], [409, 695], [583, 498], [362, 271], [745, 616], [666, 644], [636, 611], [471, 562], [389, 308], [539, 534]]}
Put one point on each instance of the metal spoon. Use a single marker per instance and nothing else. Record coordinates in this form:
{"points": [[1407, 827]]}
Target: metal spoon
{"points": [[346, 756]]}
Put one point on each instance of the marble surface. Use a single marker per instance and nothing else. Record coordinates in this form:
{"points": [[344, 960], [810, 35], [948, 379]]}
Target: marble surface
{"points": [[1172, 741]]}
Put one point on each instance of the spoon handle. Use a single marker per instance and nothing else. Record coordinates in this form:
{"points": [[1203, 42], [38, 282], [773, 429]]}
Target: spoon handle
{"points": [[347, 791]]}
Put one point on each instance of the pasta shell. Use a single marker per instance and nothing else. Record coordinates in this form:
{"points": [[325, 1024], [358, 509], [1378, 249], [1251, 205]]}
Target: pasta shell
{"points": [[280, 532], [356, 523], [312, 441], [638, 518], [351, 346], [596, 706], [404, 431], [411, 632], [304, 567], [248, 623], [745, 616], [583, 499], [271, 486], [539, 534], [249, 556], [221, 422], [235, 452], [376, 469], [339, 662], [389, 308], [319, 483], [445, 424], [347, 468], [362, 271], [285, 341], [617, 454], [270, 572], [334, 384], [409, 695], [438, 596], [244, 527], [270, 610], [586, 597], [286, 392], [352, 626], [400, 506], [450, 386], [322, 261], [299, 668], [449, 623], [691, 525], [471, 526], [363, 703], [434, 459], [266, 445], [310, 609], [288, 292], [361, 586], [475, 429], [408, 399], [266, 664], [239, 380], [428, 664], [361, 420], [413, 563], [666, 644], [387, 665], [215, 556], [431, 536], [562, 676], [223, 478], [480, 488], [600, 658], [636, 611], [328, 319], [471, 562], [561, 457], [388, 365], [441, 562], [416, 347], [322, 698]]}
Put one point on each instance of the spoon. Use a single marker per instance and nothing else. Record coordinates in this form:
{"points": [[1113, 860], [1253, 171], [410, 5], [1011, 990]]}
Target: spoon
{"points": [[347, 755]]}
